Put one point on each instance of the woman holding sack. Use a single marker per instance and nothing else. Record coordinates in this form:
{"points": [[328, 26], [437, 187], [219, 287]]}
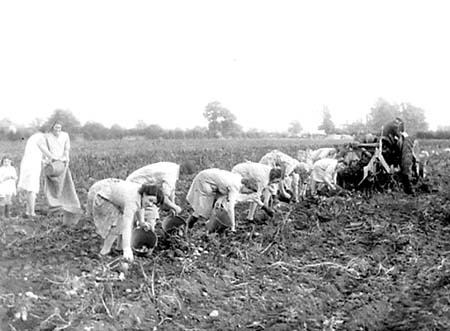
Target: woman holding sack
{"points": [[58, 184]]}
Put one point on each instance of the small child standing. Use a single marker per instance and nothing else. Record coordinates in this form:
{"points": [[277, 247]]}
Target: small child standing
{"points": [[8, 179]]}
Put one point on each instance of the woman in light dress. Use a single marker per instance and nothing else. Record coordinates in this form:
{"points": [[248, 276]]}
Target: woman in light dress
{"points": [[115, 204], [60, 190], [30, 169], [290, 172], [325, 171], [221, 189], [267, 179], [8, 179], [162, 174]]}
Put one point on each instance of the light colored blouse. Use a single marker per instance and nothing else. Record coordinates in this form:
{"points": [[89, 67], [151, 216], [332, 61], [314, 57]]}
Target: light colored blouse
{"points": [[8, 178], [162, 174], [277, 158], [252, 170], [59, 146]]}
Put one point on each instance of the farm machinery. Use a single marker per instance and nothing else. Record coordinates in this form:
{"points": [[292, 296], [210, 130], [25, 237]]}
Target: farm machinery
{"points": [[381, 164]]}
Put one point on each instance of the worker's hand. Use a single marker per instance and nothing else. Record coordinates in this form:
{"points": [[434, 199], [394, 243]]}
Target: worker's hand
{"points": [[128, 254], [177, 210]]}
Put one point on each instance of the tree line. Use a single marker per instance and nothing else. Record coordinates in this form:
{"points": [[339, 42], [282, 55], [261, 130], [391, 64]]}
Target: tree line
{"points": [[222, 123]]}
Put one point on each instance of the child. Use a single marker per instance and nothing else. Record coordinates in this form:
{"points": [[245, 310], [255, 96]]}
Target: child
{"points": [[8, 178]]}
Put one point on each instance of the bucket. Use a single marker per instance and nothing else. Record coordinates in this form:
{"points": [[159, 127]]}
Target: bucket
{"points": [[219, 221], [54, 169], [172, 222], [143, 241]]}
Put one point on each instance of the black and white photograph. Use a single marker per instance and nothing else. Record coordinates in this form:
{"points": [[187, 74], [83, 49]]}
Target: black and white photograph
{"points": [[224, 165]]}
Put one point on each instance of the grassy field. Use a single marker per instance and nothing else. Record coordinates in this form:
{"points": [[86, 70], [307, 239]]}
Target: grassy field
{"points": [[345, 262]]}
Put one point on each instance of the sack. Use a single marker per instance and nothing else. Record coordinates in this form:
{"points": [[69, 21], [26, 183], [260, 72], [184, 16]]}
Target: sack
{"points": [[54, 169]]}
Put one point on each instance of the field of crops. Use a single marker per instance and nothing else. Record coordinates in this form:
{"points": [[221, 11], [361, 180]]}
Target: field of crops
{"points": [[344, 262]]}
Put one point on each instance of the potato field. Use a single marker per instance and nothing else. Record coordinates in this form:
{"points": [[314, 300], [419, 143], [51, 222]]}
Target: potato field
{"points": [[349, 261]]}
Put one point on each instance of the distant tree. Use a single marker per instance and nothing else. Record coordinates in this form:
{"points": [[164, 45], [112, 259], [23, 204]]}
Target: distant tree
{"points": [[154, 131], [176, 133], [382, 113], [37, 123], [197, 132], [414, 118], [327, 123], [117, 132], [95, 131], [221, 121], [70, 123], [443, 128], [141, 125], [295, 128]]}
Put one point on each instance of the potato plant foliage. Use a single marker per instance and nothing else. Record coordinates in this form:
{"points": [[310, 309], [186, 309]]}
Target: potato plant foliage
{"points": [[342, 262]]}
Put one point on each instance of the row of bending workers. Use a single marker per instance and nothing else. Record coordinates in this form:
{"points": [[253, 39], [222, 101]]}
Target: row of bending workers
{"points": [[116, 205]]}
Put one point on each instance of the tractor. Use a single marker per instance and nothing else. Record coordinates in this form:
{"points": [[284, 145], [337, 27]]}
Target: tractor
{"points": [[382, 164]]}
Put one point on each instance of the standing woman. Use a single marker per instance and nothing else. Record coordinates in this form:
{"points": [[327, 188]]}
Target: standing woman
{"points": [[30, 169], [58, 186]]}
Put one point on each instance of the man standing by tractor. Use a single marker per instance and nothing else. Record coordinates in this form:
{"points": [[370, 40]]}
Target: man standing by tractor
{"points": [[400, 153], [393, 130]]}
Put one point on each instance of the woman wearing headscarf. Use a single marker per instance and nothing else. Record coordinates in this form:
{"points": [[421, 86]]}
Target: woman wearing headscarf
{"points": [[219, 189]]}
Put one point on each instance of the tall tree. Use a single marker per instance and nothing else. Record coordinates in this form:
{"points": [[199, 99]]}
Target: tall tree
{"points": [[95, 131], [141, 125], [414, 118], [295, 128], [380, 114], [221, 121], [384, 112], [327, 123], [70, 122]]}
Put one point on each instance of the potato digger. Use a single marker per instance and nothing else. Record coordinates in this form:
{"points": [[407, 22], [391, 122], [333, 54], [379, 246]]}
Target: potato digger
{"points": [[384, 163]]}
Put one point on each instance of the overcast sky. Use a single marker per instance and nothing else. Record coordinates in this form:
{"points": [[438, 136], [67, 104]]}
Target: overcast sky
{"points": [[268, 62]]}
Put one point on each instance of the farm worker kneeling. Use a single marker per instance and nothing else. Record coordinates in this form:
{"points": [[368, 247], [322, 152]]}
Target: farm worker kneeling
{"points": [[265, 177], [325, 171], [219, 189], [290, 169], [115, 204], [163, 174]]}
